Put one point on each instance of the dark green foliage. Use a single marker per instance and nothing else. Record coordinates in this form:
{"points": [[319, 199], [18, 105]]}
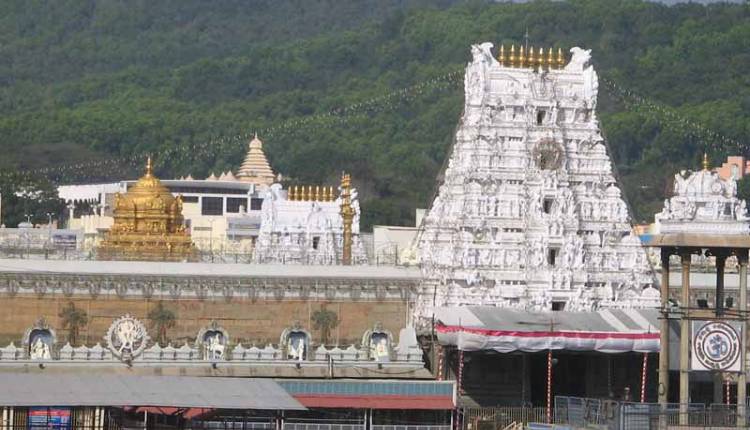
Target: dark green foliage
{"points": [[324, 320], [73, 319], [102, 78], [27, 197], [162, 319]]}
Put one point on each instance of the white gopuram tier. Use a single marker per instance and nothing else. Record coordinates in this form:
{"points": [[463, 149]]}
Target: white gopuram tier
{"points": [[703, 203], [305, 231], [529, 214]]}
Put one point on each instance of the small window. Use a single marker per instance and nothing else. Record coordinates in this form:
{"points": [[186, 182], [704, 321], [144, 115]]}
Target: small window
{"points": [[547, 206], [256, 204], [540, 117], [234, 203], [729, 302], [552, 256], [703, 303], [190, 199], [212, 206], [316, 241], [558, 306]]}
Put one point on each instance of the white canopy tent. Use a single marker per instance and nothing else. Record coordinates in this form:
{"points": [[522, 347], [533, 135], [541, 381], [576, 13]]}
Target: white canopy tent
{"points": [[477, 328]]}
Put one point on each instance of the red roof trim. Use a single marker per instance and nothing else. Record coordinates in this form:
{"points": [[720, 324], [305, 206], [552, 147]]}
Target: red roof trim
{"points": [[375, 402], [566, 334]]}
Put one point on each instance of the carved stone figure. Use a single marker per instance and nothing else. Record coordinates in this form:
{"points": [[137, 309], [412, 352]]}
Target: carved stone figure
{"points": [[40, 350], [126, 337]]}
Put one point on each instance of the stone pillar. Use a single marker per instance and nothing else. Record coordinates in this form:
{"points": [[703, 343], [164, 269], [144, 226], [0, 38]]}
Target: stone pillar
{"points": [[663, 390], [742, 378], [685, 339], [720, 262], [6, 421]]}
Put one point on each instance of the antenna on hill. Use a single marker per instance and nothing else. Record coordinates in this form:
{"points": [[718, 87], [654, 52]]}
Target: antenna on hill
{"points": [[526, 39]]}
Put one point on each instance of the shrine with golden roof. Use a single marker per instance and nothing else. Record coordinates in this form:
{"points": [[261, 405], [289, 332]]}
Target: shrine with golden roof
{"points": [[148, 225]]}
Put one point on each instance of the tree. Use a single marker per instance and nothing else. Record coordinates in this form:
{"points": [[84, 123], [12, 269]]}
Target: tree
{"points": [[325, 320], [73, 319], [162, 319]]}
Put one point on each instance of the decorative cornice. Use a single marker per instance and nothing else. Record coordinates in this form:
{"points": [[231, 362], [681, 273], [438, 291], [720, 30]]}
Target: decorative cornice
{"points": [[205, 288]]}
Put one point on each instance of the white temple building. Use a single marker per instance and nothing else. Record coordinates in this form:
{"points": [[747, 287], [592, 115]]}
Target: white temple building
{"points": [[529, 214], [245, 214], [305, 227], [704, 203]]}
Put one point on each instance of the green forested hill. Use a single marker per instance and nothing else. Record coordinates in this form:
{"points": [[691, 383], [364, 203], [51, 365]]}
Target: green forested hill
{"points": [[97, 79]]}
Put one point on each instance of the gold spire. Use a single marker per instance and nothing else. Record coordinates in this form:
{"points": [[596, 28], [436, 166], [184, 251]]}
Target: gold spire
{"points": [[560, 59], [501, 56], [521, 58], [706, 165], [550, 60], [347, 215], [512, 57], [149, 167]]}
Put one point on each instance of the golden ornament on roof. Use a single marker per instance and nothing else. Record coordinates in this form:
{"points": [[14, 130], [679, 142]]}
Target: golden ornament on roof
{"points": [[148, 224]]}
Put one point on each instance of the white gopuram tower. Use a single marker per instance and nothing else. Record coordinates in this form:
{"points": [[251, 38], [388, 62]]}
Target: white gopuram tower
{"points": [[529, 214]]}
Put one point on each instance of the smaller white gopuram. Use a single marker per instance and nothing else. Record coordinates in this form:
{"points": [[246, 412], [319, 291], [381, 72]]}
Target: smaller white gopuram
{"points": [[704, 203]]}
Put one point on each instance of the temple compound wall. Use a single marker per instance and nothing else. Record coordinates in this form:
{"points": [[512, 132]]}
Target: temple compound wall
{"points": [[116, 310], [248, 321]]}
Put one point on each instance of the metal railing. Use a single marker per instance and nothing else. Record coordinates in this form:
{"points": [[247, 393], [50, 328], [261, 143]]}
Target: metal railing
{"points": [[410, 427], [498, 418], [322, 426], [614, 415]]}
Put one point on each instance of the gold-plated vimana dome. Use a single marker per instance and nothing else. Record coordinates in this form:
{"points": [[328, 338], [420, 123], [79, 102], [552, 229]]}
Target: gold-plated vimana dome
{"points": [[148, 225]]}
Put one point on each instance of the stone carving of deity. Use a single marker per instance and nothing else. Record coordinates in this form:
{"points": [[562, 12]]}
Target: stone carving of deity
{"points": [[570, 251], [126, 337], [296, 346], [578, 254], [536, 256], [214, 347], [39, 350], [680, 184], [379, 347], [596, 212]]}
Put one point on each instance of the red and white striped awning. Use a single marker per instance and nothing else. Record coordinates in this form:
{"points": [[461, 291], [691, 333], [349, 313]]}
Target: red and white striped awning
{"points": [[507, 330]]}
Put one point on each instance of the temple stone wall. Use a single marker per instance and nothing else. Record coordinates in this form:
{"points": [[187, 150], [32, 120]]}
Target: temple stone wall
{"points": [[247, 321]]}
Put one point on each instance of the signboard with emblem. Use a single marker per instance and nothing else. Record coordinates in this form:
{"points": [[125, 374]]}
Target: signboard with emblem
{"points": [[717, 345]]}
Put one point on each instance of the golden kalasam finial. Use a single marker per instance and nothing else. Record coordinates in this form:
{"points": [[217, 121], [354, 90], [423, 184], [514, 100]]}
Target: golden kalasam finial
{"points": [[310, 195], [540, 58], [512, 57], [290, 194], [706, 165], [521, 58], [149, 167], [560, 59], [501, 56], [317, 193], [550, 60], [331, 197], [531, 60]]}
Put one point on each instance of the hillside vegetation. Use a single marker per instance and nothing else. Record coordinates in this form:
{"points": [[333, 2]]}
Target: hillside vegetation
{"points": [[92, 80]]}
